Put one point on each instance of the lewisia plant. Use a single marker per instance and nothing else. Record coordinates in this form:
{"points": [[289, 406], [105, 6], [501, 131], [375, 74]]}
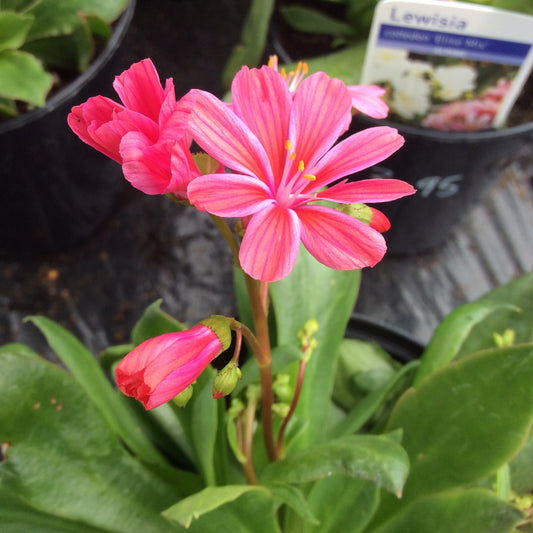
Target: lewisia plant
{"points": [[279, 419]]}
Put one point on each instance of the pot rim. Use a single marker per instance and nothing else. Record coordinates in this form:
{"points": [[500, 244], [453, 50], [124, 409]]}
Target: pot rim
{"points": [[395, 341], [450, 136], [122, 25]]}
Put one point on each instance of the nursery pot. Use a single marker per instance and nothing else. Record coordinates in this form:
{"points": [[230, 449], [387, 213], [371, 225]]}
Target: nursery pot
{"points": [[450, 170], [54, 190]]}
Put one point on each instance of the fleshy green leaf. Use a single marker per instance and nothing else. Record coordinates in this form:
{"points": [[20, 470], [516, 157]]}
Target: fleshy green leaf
{"points": [[342, 504], [13, 29], [452, 333], [253, 39], [22, 77], [88, 373], [295, 499], [154, 322], [17, 516], [211, 510], [469, 511], [203, 424], [464, 421], [63, 459], [377, 458], [313, 291], [312, 21]]}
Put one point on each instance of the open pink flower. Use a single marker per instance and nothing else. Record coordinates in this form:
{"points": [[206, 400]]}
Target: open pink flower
{"points": [[147, 134], [365, 98], [160, 368], [280, 148]]}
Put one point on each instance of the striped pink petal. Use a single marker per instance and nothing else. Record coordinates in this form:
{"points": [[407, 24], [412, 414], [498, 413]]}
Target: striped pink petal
{"points": [[224, 136], [359, 151], [367, 191], [262, 99], [270, 245], [338, 240], [229, 195], [321, 113], [367, 99], [140, 89]]}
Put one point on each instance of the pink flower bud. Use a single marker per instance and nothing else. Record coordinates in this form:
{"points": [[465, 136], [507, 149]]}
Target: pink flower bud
{"points": [[160, 368]]}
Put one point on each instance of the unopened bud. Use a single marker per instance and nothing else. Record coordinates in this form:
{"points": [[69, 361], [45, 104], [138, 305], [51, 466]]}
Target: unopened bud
{"points": [[281, 409], [282, 388], [183, 397], [226, 380]]}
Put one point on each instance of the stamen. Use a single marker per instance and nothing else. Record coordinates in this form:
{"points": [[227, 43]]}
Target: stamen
{"points": [[288, 145], [310, 177], [292, 156], [301, 166], [273, 62]]}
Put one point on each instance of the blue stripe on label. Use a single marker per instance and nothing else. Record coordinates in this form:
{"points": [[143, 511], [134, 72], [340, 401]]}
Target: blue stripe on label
{"points": [[453, 44]]}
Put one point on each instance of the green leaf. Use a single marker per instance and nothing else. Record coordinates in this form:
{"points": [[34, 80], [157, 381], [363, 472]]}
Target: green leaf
{"points": [[469, 511], [203, 424], [367, 406], [22, 77], [346, 64], [53, 18], [16, 516], [313, 291], [452, 333], [64, 460], [18, 348], [254, 512], [295, 499], [13, 29], [521, 468], [342, 503], [87, 372], [251, 47], [377, 458], [154, 322], [464, 421], [312, 21]]}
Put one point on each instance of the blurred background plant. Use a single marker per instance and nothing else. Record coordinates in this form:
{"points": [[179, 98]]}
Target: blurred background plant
{"points": [[344, 25], [46, 43]]}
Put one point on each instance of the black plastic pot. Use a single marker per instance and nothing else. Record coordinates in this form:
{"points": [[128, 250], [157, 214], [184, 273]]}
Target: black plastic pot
{"points": [[55, 190], [396, 342], [451, 171]]}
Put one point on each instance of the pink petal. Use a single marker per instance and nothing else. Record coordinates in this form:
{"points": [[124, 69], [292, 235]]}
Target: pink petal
{"points": [[360, 150], [224, 136], [367, 191], [262, 99], [139, 89], [229, 195], [321, 113], [338, 240], [84, 119], [145, 165], [270, 245], [367, 99]]}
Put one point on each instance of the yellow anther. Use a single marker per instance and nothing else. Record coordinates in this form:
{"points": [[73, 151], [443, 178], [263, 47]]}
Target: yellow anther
{"points": [[292, 156], [283, 73], [288, 145], [305, 68], [301, 166], [310, 177], [273, 62]]}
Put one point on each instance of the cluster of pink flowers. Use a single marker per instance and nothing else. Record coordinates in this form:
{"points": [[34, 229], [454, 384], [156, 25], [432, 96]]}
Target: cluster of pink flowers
{"points": [[469, 115], [277, 161]]}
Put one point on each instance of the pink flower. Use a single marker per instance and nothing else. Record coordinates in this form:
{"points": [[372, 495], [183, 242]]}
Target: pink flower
{"points": [[279, 147], [160, 368], [365, 98], [147, 134]]}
